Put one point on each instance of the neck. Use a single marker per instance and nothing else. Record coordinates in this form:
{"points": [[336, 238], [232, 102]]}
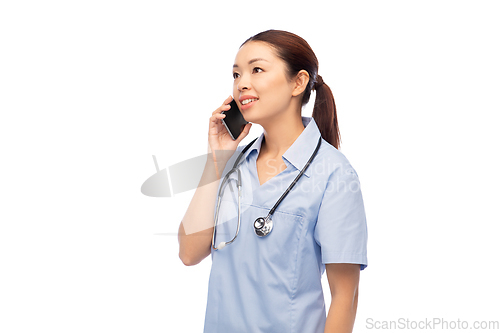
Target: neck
{"points": [[280, 134]]}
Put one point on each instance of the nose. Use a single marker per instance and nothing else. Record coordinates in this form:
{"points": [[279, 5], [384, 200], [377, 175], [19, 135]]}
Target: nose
{"points": [[243, 83]]}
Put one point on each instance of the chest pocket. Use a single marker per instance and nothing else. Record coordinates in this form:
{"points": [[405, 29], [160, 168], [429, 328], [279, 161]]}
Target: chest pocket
{"points": [[277, 253]]}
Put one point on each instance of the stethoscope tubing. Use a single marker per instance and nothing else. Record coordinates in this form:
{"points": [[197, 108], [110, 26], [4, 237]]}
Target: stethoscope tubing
{"points": [[218, 206], [271, 212], [223, 244]]}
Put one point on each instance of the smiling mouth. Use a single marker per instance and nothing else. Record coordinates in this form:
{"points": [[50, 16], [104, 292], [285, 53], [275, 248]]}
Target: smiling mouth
{"points": [[246, 101]]}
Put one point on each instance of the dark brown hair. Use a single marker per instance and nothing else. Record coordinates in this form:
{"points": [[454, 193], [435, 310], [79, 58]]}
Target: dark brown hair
{"points": [[298, 55]]}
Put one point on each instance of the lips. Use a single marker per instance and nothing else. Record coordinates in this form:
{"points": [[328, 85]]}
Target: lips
{"points": [[246, 101], [247, 106], [244, 97], [249, 100]]}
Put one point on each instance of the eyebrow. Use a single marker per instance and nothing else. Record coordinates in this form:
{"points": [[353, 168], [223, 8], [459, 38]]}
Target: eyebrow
{"points": [[252, 61]]}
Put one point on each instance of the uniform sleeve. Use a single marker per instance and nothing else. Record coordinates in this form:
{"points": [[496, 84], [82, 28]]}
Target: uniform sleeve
{"points": [[341, 229]]}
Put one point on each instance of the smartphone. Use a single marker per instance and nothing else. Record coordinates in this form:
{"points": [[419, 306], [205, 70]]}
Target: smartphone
{"points": [[234, 121]]}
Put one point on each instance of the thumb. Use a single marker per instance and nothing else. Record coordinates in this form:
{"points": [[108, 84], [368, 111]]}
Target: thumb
{"points": [[245, 131]]}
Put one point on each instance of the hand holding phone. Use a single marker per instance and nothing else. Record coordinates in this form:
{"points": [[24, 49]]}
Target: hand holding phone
{"points": [[220, 138]]}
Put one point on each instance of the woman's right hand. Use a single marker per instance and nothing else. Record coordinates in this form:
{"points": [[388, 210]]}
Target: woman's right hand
{"points": [[218, 136]]}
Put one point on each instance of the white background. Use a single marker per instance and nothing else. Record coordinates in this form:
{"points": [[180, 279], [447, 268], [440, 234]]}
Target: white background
{"points": [[90, 90]]}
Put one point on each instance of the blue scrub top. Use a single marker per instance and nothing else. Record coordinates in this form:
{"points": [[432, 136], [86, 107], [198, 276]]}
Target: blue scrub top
{"points": [[273, 283]]}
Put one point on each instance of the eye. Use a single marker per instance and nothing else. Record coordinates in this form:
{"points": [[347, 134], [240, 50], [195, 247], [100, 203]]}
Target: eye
{"points": [[235, 75], [258, 69]]}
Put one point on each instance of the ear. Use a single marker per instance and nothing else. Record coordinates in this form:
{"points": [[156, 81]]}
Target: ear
{"points": [[301, 82]]}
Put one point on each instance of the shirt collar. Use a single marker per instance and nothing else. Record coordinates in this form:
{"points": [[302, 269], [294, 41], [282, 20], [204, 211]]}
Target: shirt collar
{"points": [[300, 151]]}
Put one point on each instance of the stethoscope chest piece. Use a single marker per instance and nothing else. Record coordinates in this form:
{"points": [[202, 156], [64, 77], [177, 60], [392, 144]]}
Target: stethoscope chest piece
{"points": [[263, 226]]}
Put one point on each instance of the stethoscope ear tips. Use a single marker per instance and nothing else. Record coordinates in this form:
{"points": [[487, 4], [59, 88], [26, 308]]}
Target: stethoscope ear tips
{"points": [[221, 245]]}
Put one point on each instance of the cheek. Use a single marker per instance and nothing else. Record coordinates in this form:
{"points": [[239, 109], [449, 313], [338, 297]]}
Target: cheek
{"points": [[277, 84], [278, 91], [267, 87]]}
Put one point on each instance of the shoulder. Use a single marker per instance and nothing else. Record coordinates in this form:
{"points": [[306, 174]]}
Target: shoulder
{"points": [[334, 163]]}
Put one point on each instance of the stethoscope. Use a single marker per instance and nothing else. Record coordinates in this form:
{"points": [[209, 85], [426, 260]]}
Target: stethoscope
{"points": [[262, 225]]}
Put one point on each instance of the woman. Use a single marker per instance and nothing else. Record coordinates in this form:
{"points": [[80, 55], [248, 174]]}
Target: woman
{"points": [[272, 283]]}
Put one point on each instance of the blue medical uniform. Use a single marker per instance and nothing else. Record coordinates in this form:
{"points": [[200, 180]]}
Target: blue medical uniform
{"points": [[273, 283]]}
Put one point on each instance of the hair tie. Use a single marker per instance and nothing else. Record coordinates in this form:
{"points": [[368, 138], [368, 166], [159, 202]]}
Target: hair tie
{"points": [[319, 82]]}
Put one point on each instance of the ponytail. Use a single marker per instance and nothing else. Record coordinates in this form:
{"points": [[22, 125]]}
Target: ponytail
{"points": [[325, 113]]}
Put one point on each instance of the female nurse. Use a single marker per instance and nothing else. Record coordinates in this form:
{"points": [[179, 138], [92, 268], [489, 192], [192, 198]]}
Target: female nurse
{"points": [[273, 283]]}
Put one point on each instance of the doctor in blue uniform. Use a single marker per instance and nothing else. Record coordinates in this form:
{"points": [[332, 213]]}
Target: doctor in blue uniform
{"points": [[272, 283]]}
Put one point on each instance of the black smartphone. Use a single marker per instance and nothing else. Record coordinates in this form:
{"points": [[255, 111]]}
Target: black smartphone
{"points": [[234, 121]]}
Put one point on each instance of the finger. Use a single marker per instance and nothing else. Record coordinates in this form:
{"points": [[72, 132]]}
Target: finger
{"points": [[216, 117], [245, 131], [228, 100], [219, 116], [222, 108]]}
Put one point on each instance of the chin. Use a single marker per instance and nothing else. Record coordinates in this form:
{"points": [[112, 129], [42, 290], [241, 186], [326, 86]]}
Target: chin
{"points": [[250, 117]]}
